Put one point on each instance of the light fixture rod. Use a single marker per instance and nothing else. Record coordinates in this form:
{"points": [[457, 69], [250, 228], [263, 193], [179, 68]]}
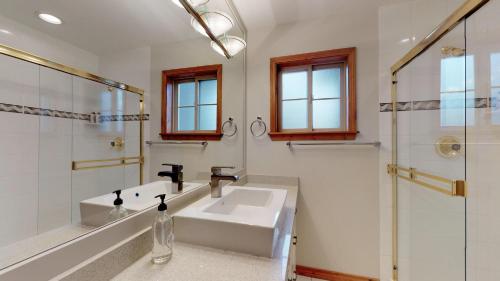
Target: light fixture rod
{"points": [[198, 18]]}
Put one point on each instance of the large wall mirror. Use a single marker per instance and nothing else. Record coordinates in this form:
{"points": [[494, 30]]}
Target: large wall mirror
{"points": [[70, 139], [197, 105]]}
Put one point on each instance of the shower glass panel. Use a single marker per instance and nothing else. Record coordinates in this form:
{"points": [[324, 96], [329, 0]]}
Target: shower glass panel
{"points": [[435, 102]]}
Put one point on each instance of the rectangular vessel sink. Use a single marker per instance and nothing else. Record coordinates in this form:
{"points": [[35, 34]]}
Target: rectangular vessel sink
{"points": [[95, 211], [244, 219]]}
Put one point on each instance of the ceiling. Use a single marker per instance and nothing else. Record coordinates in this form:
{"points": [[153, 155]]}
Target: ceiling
{"points": [[263, 13], [106, 26]]}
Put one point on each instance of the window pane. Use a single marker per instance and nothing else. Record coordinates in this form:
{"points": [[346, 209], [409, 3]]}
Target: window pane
{"points": [[186, 94], [294, 114], [294, 85], [208, 92], [185, 119], [326, 114], [326, 83], [207, 117]]}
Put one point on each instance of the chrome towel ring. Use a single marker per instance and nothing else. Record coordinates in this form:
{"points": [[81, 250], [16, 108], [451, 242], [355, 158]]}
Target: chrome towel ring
{"points": [[229, 123], [262, 125]]}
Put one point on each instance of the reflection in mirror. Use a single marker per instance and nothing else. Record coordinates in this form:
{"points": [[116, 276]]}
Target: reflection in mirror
{"points": [[70, 139]]}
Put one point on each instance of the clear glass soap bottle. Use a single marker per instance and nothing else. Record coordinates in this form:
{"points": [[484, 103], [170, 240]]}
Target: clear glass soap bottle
{"points": [[118, 210], [163, 236]]}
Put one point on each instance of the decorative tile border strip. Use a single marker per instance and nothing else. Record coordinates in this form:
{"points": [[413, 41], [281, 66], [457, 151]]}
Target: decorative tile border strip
{"points": [[401, 106], [5, 107], [129, 117], [436, 105], [11, 108]]}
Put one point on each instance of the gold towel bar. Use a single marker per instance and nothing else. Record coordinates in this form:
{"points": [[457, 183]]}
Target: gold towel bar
{"points": [[123, 161], [457, 187]]}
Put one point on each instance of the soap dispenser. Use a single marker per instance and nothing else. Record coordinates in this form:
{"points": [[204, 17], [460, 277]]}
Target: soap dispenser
{"points": [[118, 211], [163, 235]]}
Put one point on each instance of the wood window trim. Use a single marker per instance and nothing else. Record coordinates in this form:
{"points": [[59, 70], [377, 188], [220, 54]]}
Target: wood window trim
{"points": [[345, 55], [167, 106]]}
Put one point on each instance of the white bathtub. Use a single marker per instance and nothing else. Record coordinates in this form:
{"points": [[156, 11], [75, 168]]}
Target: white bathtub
{"points": [[94, 211]]}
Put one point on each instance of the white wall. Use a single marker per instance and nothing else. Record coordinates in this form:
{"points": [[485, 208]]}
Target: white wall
{"points": [[338, 222], [228, 151]]}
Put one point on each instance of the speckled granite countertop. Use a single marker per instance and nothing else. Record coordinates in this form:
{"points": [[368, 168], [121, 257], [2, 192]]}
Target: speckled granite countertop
{"points": [[196, 263]]}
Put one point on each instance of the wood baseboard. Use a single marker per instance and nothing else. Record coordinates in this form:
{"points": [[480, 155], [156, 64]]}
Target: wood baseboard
{"points": [[329, 275]]}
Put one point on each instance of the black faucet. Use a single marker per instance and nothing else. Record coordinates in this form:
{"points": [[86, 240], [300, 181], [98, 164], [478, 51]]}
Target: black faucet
{"points": [[176, 175]]}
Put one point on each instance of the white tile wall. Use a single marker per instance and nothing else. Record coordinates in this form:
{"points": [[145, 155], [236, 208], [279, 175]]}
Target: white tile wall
{"points": [[18, 176], [18, 146], [18, 81], [54, 201]]}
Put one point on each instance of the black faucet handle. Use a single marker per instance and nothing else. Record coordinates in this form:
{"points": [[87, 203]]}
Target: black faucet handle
{"points": [[175, 167]]}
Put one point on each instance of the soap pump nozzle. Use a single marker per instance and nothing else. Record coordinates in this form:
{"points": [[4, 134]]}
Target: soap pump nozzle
{"points": [[118, 201], [162, 206]]}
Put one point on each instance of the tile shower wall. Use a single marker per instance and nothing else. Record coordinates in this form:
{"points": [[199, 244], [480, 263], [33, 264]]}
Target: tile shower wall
{"points": [[54, 151], [18, 85]]}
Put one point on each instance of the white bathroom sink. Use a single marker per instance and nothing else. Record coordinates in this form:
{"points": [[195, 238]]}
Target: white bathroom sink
{"points": [[94, 211], [244, 219]]}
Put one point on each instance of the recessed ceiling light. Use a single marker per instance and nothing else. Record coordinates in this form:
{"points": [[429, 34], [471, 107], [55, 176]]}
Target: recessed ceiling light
{"points": [[49, 18], [5, 31]]}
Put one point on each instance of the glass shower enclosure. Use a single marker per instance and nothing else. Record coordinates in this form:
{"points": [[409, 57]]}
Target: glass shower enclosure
{"points": [[445, 145]]}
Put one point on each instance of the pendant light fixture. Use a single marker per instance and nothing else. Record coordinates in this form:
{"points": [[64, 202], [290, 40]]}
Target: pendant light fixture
{"points": [[215, 25], [218, 22], [232, 44]]}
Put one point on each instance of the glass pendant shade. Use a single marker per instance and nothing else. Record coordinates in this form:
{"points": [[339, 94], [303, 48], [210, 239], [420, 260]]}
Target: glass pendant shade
{"points": [[193, 3], [233, 45], [218, 22]]}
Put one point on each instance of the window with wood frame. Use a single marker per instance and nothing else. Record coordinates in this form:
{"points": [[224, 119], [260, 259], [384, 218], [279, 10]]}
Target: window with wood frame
{"points": [[192, 103], [313, 96]]}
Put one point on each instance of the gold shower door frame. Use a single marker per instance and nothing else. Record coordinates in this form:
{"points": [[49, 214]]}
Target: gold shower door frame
{"points": [[124, 161], [459, 187]]}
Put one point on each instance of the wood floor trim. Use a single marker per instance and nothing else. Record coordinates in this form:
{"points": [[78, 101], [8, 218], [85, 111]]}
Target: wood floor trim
{"points": [[329, 275]]}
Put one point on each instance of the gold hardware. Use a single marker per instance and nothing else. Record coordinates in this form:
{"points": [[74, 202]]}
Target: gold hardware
{"points": [[123, 161], [118, 144], [460, 188], [452, 52], [449, 147], [457, 187], [413, 174]]}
